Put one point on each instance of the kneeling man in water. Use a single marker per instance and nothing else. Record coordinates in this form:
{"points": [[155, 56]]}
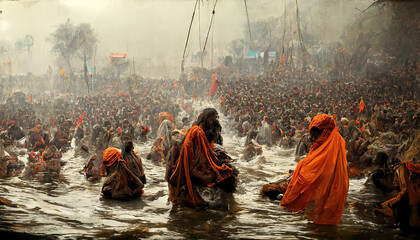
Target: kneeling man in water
{"points": [[126, 175], [196, 164]]}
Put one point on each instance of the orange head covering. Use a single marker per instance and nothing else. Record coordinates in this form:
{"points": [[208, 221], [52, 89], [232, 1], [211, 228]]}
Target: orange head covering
{"points": [[110, 156], [324, 123], [37, 128], [320, 181], [165, 115], [181, 177]]}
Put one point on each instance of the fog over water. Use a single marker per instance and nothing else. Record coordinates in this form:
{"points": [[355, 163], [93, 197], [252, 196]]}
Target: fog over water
{"points": [[154, 32], [72, 207], [80, 76]]}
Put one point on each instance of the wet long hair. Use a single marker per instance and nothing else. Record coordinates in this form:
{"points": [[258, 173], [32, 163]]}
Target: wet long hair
{"points": [[207, 112], [210, 129], [126, 148]]}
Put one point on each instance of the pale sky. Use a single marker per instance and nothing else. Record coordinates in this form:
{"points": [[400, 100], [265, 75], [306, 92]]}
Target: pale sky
{"points": [[145, 29]]}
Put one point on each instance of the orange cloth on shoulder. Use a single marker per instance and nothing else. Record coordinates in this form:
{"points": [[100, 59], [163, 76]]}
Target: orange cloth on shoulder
{"points": [[181, 176], [320, 181]]}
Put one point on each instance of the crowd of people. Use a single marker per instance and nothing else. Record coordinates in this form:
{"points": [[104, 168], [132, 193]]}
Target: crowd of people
{"points": [[378, 119]]}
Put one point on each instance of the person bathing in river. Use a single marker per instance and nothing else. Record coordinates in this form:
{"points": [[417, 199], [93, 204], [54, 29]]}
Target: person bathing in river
{"points": [[264, 136], [126, 176], [196, 164], [162, 145], [133, 160], [320, 182]]}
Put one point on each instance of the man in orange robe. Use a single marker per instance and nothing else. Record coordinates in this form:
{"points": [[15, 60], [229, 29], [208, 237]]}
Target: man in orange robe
{"points": [[362, 107], [126, 175], [196, 164], [320, 182]]}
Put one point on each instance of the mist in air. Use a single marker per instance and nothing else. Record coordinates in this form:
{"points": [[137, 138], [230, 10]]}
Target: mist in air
{"points": [[153, 33]]}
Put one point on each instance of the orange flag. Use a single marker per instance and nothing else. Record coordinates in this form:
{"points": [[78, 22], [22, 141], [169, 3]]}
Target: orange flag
{"points": [[362, 106], [80, 120]]}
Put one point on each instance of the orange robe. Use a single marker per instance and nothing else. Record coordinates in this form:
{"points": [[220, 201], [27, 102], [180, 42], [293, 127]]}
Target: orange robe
{"points": [[320, 182], [196, 165], [124, 181], [165, 115], [362, 106]]}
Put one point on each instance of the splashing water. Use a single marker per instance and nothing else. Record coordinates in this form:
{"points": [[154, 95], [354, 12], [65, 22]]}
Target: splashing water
{"points": [[73, 207]]}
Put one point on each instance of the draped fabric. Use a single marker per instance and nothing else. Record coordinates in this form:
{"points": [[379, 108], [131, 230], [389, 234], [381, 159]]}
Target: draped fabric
{"points": [[124, 181], [167, 116], [264, 134], [362, 106], [92, 167], [320, 181], [165, 130], [409, 183], [196, 165], [110, 156]]}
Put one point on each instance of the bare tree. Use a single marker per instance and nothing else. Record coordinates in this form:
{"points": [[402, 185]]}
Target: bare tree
{"points": [[69, 40]]}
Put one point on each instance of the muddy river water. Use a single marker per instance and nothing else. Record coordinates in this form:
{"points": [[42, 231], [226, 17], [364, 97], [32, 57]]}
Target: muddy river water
{"points": [[74, 208]]}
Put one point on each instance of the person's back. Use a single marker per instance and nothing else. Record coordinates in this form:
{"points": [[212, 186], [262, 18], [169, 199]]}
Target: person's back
{"points": [[264, 134], [133, 160], [320, 181], [122, 183]]}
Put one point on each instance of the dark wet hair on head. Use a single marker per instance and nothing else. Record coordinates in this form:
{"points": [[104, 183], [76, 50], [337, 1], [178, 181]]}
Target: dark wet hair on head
{"points": [[127, 147], [315, 133], [207, 112], [315, 130]]}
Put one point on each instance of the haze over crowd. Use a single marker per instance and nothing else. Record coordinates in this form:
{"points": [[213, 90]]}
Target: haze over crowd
{"points": [[154, 32]]}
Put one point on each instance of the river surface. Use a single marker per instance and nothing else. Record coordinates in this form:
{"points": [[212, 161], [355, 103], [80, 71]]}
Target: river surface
{"points": [[73, 207]]}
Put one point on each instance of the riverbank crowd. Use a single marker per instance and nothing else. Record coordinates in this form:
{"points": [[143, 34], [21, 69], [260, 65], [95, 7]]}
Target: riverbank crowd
{"points": [[376, 116]]}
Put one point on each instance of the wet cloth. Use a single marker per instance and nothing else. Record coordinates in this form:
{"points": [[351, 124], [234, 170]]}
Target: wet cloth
{"points": [[135, 164], [122, 183], [167, 116], [320, 181], [165, 130], [196, 165], [43, 170], [362, 106], [92, 167], [407, 211], [264, 134]]}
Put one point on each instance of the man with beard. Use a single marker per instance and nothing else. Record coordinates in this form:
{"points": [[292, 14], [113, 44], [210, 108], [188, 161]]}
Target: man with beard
{"points": [[197, 165]]}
